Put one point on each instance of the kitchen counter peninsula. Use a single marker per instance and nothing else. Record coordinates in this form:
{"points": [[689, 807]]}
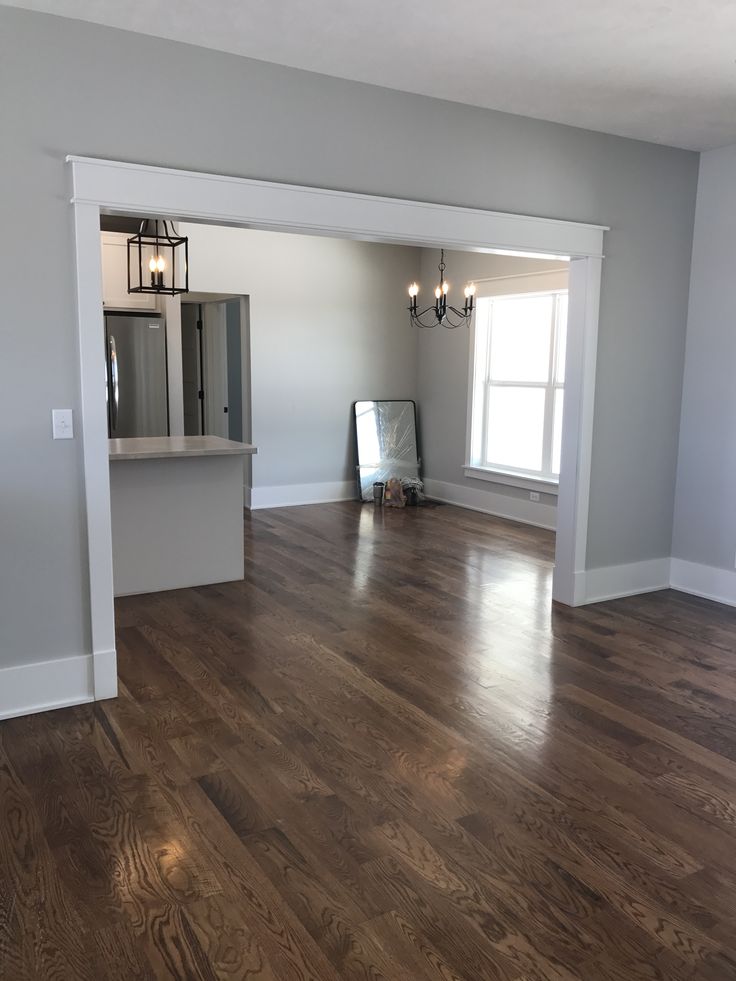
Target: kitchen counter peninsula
{"points": [[177, 512]]}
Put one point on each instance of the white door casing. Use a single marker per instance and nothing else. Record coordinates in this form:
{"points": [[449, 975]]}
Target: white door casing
{"points": [[136, 189]]}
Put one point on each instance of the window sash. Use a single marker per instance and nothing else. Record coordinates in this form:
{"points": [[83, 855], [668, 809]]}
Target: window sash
{"points": [[483, 383]]}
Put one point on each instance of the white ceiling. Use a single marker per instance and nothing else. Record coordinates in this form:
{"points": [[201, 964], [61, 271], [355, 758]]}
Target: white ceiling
{"points": [[658, 70]]}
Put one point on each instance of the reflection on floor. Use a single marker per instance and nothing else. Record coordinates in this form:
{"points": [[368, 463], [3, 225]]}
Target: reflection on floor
{"points": [[383, 756]]}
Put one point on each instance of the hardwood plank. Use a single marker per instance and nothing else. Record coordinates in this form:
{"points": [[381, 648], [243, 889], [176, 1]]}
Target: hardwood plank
{"points": [[383, 756]]}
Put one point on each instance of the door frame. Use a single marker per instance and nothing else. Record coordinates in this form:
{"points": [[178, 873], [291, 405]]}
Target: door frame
{"points": [[143, 190]]}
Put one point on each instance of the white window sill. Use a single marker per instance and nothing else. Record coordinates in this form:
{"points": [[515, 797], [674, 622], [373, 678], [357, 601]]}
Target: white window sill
{"points": [[546, 485]]}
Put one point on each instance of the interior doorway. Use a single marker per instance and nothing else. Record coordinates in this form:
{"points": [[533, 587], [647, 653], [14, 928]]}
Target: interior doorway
{"points": [[214, 386], [141, 190]]}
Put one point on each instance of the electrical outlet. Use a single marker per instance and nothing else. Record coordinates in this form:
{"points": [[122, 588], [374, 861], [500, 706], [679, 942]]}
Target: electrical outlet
{"points": [[533, 495], [62, 424]]}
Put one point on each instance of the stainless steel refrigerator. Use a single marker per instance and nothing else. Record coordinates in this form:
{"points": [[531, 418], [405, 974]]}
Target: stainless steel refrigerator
{"points": [[137, 388]]}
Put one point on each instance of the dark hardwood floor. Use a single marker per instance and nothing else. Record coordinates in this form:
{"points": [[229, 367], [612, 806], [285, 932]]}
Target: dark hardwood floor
{"points": [[383, 756]]}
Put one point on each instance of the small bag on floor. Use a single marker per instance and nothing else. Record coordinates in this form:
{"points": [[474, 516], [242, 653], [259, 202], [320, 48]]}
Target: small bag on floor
{"points": [[394, 496]]}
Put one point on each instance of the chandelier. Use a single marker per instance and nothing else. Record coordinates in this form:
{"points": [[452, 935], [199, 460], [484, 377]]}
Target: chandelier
{"points": [[157, 258], [441, 312]]}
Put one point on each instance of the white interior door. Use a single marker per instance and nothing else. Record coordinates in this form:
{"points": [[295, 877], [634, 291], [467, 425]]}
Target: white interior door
{"points": [[215, 369]]}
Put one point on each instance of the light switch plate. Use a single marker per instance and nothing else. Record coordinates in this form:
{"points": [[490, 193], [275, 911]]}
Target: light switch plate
{"points": [[62, 424]]}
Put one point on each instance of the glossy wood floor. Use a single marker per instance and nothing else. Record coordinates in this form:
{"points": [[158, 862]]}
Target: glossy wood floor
{"points": [[383, 756]]}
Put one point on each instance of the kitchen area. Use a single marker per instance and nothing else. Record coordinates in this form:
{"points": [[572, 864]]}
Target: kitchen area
{"points": [[178, 413]]}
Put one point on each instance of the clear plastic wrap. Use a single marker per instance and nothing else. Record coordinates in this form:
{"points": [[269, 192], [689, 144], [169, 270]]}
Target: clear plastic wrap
{"points": [[386, 435]]}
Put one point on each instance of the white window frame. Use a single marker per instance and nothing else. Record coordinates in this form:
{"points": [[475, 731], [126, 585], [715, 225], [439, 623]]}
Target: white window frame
{"points": [[552, 282]]}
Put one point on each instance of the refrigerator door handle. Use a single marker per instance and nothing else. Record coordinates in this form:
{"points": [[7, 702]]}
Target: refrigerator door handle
{"points": [[114, 401]]}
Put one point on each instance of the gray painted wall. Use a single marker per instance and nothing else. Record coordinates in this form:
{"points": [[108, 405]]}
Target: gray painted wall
{"points": [[71, 87], [705, 509], [328, 325], [443, 357]]}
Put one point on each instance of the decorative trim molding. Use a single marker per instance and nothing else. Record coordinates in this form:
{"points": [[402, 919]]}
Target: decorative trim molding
{"points": [[540, 484], [615, 581], [490, 502], [704, 580], [292, 495], [185, 194], [44, 685]]}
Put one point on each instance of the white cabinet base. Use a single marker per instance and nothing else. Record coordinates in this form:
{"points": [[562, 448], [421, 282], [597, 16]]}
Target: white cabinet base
{"points": [[176, 522]]}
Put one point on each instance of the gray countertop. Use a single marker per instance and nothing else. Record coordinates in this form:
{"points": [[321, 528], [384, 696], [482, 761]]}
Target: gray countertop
{"points": [[163, 447]]}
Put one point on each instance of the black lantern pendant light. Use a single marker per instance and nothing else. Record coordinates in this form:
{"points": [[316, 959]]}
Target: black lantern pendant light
{"points": [[158, 259], [441, 312]]}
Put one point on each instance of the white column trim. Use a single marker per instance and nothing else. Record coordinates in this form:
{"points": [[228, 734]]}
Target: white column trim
{"points": [[95, 446], [577, 431]]}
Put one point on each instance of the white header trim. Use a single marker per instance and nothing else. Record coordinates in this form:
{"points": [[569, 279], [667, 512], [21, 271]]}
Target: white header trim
{"points": [[168, 192]]}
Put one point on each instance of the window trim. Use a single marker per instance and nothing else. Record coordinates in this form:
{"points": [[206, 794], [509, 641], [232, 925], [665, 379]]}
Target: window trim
{"points": [[543, 283], [513, 478]]}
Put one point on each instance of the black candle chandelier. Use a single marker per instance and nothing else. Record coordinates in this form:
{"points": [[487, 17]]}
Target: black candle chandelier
{"points": [[158, 259], [441, 312]]}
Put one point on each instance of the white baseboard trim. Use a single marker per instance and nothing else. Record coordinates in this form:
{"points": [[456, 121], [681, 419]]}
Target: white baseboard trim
{"points": [[491, 502], [704, 580], [292, 495], [615, 581], [45, 685]]}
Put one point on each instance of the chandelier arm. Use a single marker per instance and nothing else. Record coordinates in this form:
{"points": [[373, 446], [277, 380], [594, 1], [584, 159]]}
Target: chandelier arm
{"points": [[416, 318], [447, 321], [463, 320], [428, 309]]}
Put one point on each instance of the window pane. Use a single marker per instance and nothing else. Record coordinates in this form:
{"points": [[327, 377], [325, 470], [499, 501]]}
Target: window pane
{"points": [[557, 431], [515, 427], [521, 328], [561, 337]]}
